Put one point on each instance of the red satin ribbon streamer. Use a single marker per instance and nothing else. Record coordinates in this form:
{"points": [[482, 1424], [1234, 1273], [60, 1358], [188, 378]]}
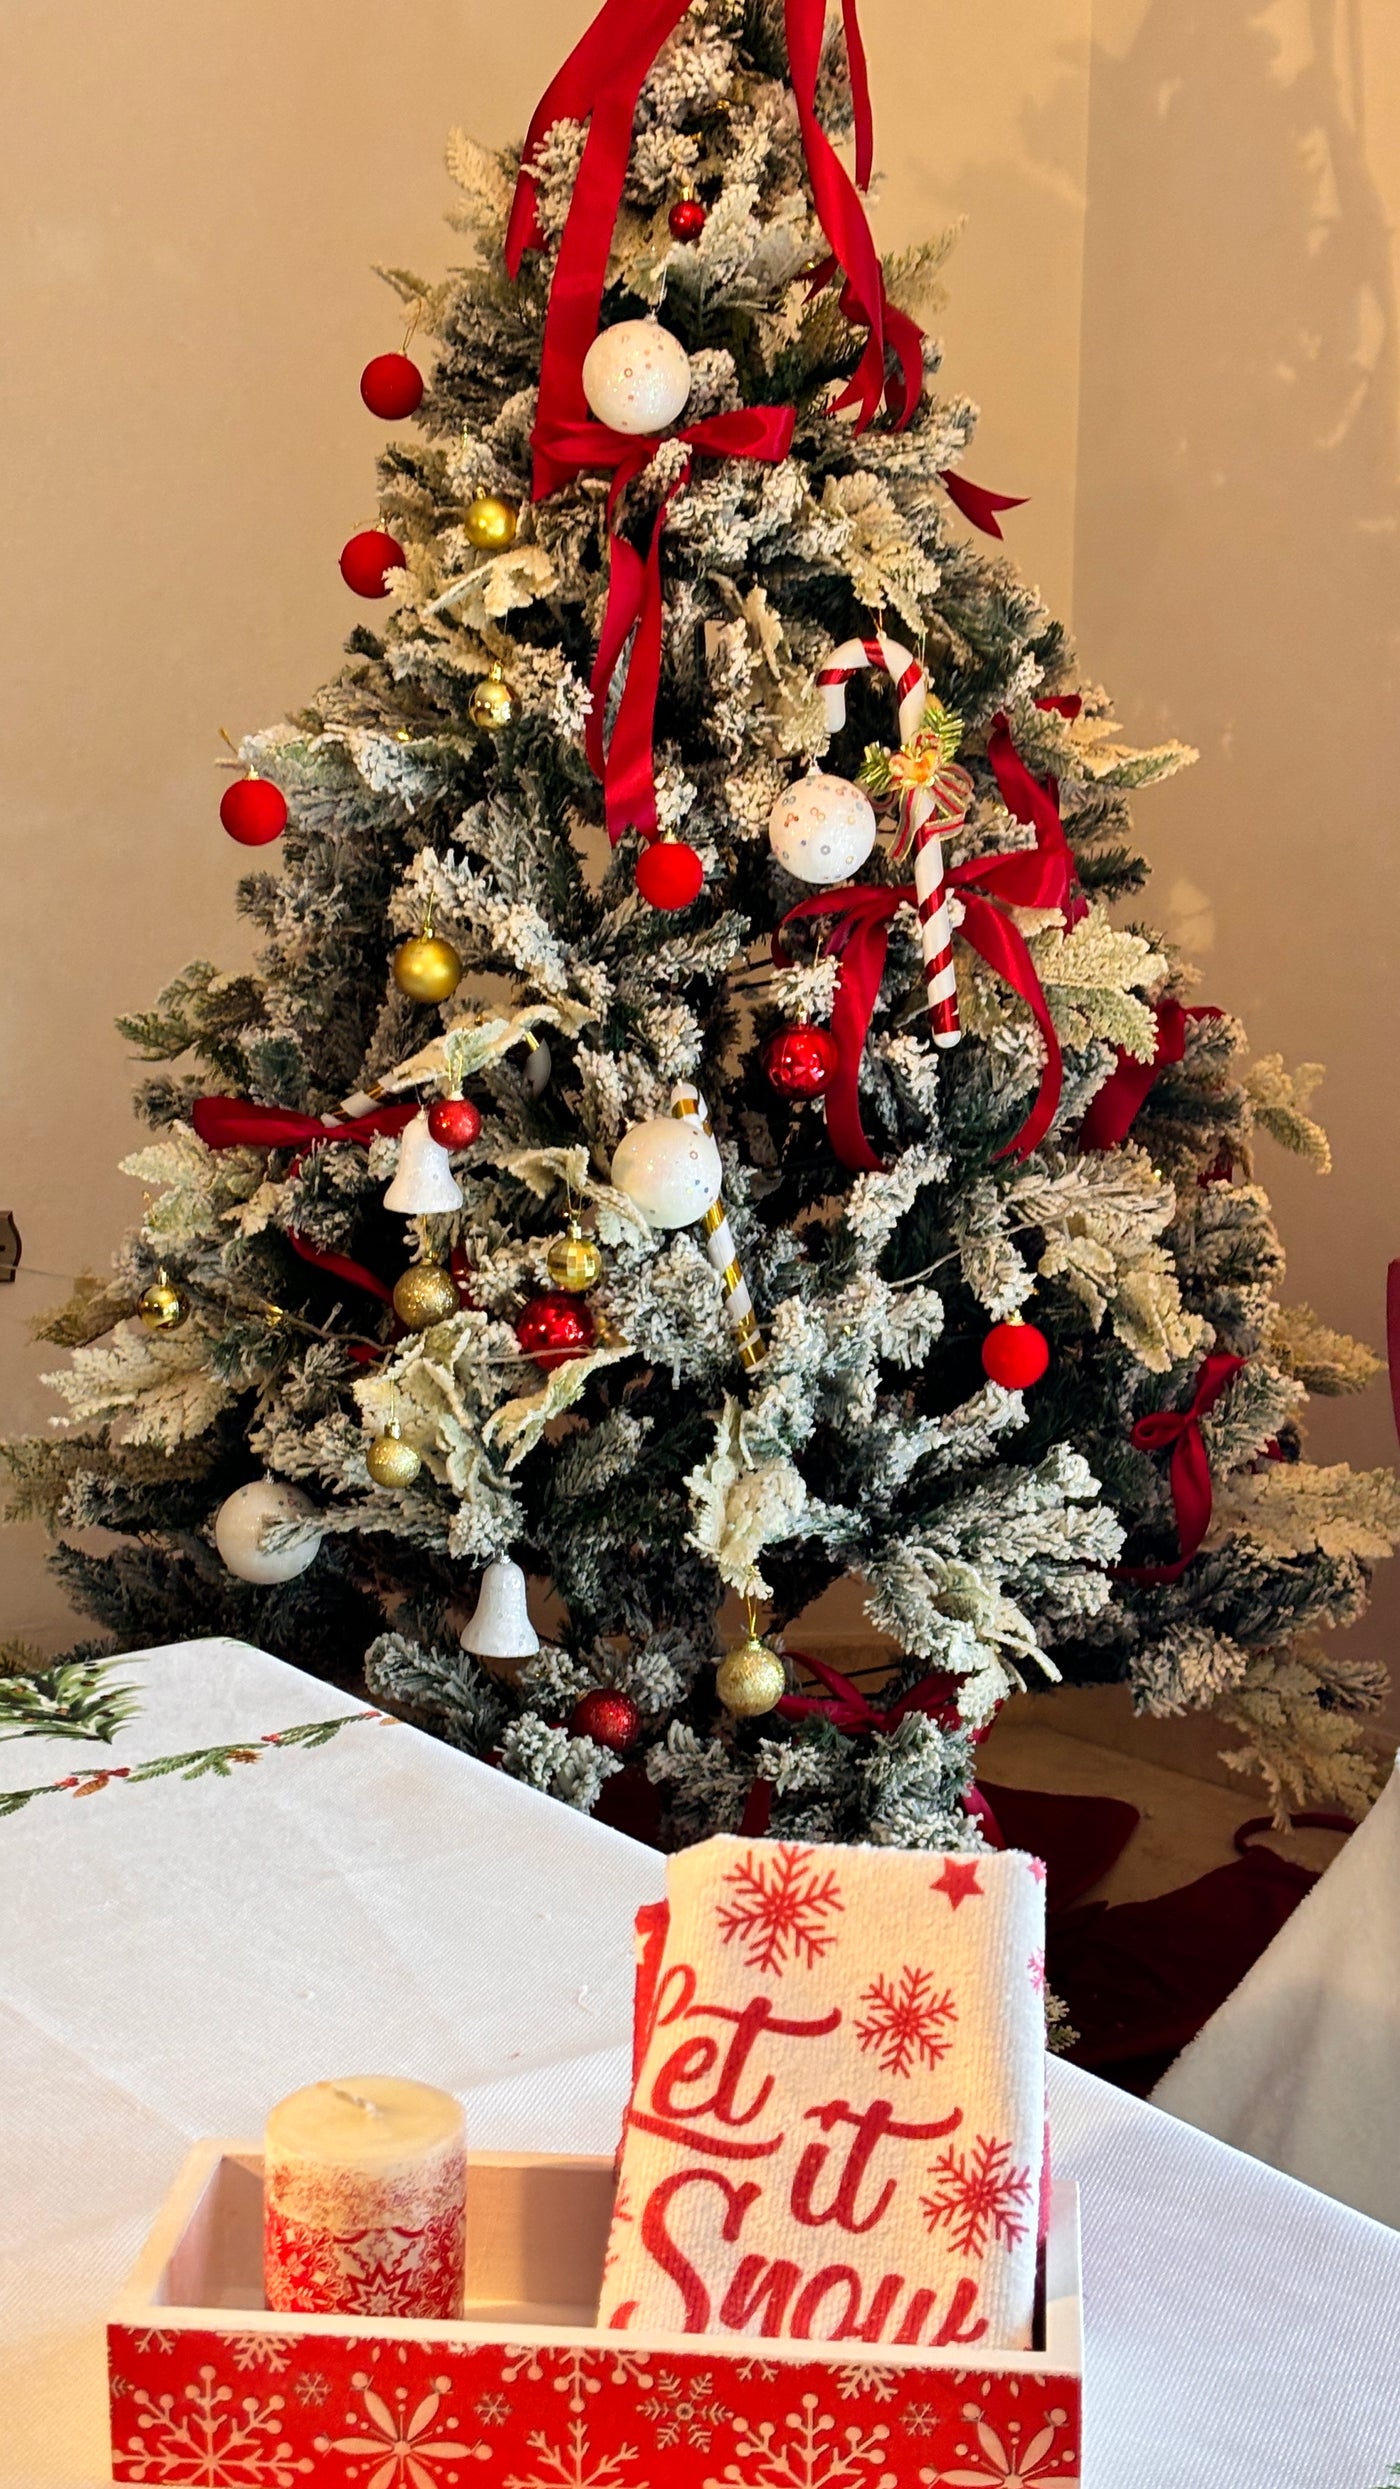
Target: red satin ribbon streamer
{"points": [[239, 1123], [980, 507], [1179, 1430], [1113, 1112], [1038, 876], [843, 221], [635, 600]]}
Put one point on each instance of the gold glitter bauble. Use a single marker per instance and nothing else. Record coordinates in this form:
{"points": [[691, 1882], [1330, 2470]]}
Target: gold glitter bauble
{"points": [[426, 968], [163, 1306], [751, 1679], [492, 704], [424, 1295], [574, 1262], [490, 523], [392, 1462]]}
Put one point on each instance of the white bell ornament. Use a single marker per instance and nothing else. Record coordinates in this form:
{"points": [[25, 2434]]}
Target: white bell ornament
{"points": [[499, 1626], [244, 1516], [671, 1169], [636, 376], [821, 829], [424, 1181]]}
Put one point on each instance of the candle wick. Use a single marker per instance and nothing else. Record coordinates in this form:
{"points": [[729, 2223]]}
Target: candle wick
{"points": [[357, 2100]]}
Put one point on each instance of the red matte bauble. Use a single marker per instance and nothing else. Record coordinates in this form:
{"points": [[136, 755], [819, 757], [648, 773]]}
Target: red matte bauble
{"points": [[366, 560], [460, 1264], [687, 220], [609, 1718], [1015, 1355], [391, 386], [801, 1061], [454, 1123], [253, 811], [554, 1328], [669, 874]]}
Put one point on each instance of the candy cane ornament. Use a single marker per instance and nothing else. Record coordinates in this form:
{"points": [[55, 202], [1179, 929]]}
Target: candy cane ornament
{"points": [[934, 797], [720, 1246]]}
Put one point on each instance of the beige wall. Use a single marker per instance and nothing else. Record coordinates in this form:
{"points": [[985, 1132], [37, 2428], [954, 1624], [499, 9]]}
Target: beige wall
{"points": [[191, 200]]}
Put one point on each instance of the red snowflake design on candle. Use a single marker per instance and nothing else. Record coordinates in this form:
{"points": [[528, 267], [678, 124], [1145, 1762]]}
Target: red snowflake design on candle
{"points": [[905, 2023], [779, 1911], [394, 2271], [976, 2196]]}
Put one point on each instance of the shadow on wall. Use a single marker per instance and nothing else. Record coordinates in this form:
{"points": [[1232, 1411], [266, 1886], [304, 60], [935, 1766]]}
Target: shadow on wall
{"points": [[1237, 556]]}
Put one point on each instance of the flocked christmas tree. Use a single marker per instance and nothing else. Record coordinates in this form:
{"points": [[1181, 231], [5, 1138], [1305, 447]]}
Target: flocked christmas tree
{"points": [[720, 511]]}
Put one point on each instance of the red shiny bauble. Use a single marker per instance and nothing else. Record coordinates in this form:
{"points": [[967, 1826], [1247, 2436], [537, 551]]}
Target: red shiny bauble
{"points": [[801, 1061], [669, 874], [454, 1123], [391, 386], [555, 1328], [609, 1718], [460, 1265], [687, 220], [366, 559], [253, 811], [1015, 1355]]}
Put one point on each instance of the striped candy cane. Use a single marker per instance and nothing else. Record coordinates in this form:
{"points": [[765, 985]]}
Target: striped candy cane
{"points": [[934, 797], [719, 1245]]}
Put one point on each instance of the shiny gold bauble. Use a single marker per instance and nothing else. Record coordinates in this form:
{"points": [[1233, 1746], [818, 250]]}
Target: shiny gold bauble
{"points": [[424, 1295], [490, 523], [492, 704], [750, 1680], [392, 1462], [426, 968], [163, 1306], [574, 1262]]}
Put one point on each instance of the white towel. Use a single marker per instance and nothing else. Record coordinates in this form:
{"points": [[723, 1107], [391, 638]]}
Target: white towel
{"points": [[837, 2126]]}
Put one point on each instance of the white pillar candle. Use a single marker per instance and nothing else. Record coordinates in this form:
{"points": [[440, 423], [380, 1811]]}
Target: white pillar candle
{"points": [[364, 2192]]}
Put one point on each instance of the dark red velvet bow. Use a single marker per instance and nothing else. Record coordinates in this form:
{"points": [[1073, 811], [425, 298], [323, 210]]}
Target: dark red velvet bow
{"points": [[846, 1707], [1038, 877], [239, 1123], [1179, 1431], [1114, 1110], [635, 601]]}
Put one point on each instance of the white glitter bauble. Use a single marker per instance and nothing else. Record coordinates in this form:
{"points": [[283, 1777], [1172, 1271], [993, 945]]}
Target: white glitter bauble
{"points": [[239, 1524], [670, 1167], [636, 377], [821, 829]]}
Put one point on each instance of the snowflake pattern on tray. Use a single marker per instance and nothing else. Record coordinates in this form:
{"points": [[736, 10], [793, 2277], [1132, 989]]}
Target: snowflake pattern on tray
{"points": [[780, 1908], [423, 2411], [905, 2023], [977, 2195]]}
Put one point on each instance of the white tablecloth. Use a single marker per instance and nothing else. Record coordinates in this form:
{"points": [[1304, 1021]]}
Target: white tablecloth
{"points": [[176, 1954], [1302, 2064]]}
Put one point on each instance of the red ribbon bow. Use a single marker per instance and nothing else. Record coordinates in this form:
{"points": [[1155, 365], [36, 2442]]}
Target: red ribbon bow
{"points": [[238, 1123], [846, 1707], [1038, 876], [1179, 1430], [635, 602]]}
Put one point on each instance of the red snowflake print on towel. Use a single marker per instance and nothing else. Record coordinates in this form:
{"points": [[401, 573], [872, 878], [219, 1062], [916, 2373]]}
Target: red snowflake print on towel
{"points": [[976, 2196], [905, 2023], [958, 1881], [780, 1906]]}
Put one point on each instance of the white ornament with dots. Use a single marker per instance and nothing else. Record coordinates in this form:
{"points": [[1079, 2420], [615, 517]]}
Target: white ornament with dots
{"points": [[243, 1517], [636, 376], [821, 829], [670, 1167]]}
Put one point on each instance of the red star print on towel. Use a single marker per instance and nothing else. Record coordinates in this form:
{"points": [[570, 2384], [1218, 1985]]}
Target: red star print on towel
{"points": [[958, 1880]]}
